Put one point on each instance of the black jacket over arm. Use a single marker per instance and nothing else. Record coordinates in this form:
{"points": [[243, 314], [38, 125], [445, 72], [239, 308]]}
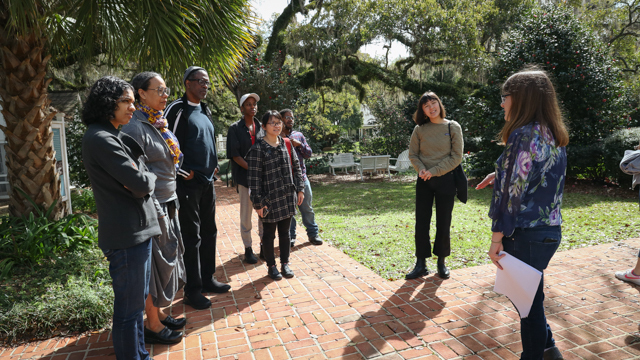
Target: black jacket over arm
{"points": [[122, 187]]}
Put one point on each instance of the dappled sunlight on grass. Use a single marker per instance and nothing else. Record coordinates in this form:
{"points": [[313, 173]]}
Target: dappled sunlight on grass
{"points": [[374, 224]]}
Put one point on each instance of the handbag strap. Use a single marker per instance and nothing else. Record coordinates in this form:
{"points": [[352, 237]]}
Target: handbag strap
{"points": [[450, 139]]}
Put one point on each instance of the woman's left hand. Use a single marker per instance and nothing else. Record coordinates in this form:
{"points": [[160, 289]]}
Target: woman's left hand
{"points": [[425, 175], [496, 248], [300, 197]]}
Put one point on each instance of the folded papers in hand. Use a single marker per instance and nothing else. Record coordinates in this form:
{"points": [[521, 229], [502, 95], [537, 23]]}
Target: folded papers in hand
{"points": [[518, 281]]}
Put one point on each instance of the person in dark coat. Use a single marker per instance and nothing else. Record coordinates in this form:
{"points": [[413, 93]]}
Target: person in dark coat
{"points": [[127, 217], [190, 120]]}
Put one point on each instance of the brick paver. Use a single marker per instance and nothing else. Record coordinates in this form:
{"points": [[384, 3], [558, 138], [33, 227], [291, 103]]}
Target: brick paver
{"points": [[337, 308]]}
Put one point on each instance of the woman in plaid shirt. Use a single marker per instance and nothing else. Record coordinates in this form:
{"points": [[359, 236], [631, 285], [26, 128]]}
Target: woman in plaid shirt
{"points": [[273, 186]]}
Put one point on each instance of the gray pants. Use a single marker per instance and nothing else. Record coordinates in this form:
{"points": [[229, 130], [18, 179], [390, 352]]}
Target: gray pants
{"points": [[246, 212]]}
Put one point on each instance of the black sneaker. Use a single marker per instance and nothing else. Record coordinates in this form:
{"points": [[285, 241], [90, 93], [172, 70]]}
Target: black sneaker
{"points": [[293, 242], [274, 273], [286, 271], [215, 286], [315, 240], [197, 301], [249, 256]]}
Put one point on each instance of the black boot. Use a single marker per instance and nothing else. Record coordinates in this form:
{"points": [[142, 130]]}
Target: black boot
{"points": [[419, 270], [249, 257], [443, 272]]}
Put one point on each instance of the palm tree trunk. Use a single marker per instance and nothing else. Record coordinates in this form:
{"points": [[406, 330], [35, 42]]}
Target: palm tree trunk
{"points": [[30, 159]]}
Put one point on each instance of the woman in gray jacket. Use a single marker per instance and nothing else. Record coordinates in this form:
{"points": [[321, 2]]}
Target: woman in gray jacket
{"points": [[127, 217], [149, 128]]}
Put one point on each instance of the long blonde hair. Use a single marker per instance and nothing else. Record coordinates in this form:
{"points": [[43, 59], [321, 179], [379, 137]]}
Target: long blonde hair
{"points": [[533, 99]]}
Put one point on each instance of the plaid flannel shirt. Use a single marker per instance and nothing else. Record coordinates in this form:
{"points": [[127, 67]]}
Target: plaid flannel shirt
{"points": [[271, 182]]}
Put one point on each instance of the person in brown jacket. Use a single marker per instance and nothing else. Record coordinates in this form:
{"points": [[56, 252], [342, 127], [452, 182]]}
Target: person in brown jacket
{"points": [[435, 149]]}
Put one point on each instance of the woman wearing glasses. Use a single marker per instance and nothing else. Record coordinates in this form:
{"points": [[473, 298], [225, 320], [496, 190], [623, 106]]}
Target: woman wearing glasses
{"points": [[127, 218], [274, 178], [435, 150], [529, 182], [149, 128]]}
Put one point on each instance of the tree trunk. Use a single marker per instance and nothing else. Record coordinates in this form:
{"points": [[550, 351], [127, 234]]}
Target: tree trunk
{"points": [[30, 158]]}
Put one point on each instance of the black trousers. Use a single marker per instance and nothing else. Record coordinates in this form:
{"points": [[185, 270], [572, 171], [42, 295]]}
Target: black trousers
{"points": [[442, 189], [199, 231], [268, 237]]}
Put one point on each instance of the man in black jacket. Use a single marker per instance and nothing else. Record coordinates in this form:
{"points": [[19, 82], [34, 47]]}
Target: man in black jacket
{"points": [[241, 136], [190, 120]]}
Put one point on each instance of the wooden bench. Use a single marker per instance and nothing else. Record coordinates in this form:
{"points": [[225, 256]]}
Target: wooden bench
{"points": [[342, 161], [373, 164]]}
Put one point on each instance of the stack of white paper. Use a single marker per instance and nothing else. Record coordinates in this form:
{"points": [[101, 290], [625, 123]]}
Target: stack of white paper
{"points": [[518, 281]]}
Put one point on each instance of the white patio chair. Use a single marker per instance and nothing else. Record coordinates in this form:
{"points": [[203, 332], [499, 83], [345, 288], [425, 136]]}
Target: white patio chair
{"points": [[402, 162]]}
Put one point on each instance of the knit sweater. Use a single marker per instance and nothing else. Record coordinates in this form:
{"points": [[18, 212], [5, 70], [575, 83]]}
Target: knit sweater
{"points": [[431, 148]]}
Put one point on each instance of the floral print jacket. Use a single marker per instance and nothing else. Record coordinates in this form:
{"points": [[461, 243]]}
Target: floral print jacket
{"points": [[529, 181]]}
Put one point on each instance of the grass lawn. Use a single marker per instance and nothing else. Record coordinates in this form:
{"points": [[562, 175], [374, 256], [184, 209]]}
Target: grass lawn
{"points": [[373, 222]]}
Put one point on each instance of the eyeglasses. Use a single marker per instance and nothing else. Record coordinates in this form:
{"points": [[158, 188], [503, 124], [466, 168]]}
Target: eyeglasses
{"points": [[289, 118], [202, 82], [275, 123], [504, 98], [162, 90]]}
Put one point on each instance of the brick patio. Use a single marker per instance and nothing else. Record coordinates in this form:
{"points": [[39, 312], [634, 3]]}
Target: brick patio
{"points": [[337, 308]]}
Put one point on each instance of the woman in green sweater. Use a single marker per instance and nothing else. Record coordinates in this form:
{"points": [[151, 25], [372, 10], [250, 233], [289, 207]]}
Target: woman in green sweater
{"points": [[435, 150]]}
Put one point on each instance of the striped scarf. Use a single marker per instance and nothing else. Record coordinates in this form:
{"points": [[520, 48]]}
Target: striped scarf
{"points": [[156, 118]]}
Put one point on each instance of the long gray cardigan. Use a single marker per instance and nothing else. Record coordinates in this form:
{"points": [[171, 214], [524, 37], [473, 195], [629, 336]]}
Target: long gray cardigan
{"points": [[157, 152], [122, 187]]}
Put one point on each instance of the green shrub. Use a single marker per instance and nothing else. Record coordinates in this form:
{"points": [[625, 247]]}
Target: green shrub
{"points": [[585, 161], [613, 150], [318, 164], [222, 155], [82, 200], [587, 83], [70, 293], [345, 144], [74, 131], [392, 135], [32, 239]]}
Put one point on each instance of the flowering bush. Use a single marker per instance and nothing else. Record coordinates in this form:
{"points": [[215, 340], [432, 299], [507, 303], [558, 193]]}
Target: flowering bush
{"points": [[587, 83], [392, 135]]}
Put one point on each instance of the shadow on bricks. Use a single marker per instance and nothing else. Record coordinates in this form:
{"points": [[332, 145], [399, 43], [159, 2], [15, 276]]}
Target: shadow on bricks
{"points": [[409, 319]]}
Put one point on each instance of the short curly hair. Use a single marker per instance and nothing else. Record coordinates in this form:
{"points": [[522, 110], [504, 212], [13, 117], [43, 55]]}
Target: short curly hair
{"points": [[102, 101]]}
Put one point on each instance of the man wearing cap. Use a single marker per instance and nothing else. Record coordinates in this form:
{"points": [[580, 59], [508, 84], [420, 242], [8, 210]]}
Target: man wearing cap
{"points": [[190, 120], [240, 137], [303, 150]]}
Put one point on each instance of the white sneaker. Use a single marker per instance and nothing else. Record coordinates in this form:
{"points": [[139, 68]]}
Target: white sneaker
{"points": [[629, 276]]}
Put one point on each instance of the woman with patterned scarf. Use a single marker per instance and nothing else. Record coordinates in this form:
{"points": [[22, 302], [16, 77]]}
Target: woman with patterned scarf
{"points": [[149, 128]]}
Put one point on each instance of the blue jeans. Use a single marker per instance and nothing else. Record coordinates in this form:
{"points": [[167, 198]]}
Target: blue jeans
{"points": [[535, 246], [130, 271], [306, 211]]}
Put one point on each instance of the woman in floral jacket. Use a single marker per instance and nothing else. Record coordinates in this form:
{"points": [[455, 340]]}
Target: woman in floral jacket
{"points": [[527, 196]]}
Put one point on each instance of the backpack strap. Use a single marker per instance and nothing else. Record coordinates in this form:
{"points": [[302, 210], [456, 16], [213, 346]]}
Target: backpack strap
{"points": [[287, 142]]}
